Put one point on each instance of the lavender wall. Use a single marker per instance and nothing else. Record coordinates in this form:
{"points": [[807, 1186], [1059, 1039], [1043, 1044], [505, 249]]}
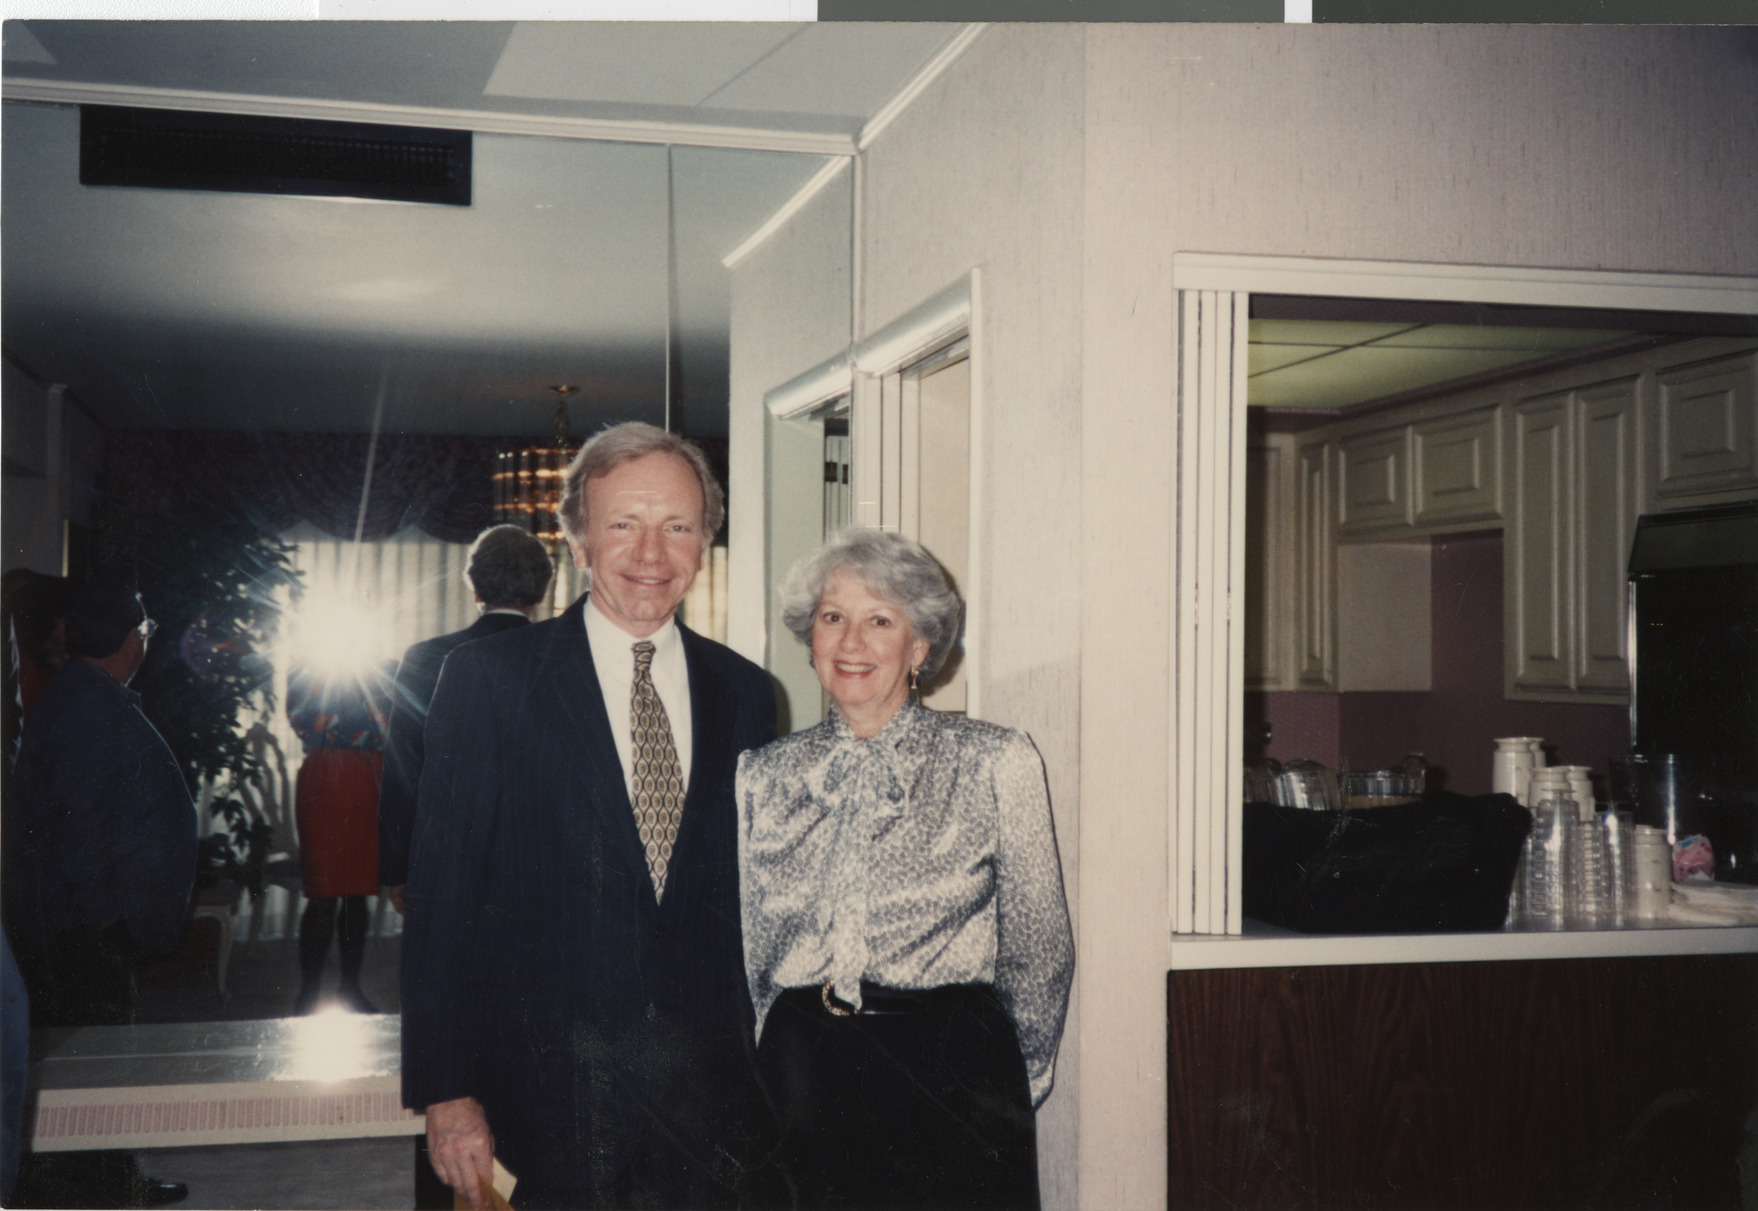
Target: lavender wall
{"points": [[1455, 724]]}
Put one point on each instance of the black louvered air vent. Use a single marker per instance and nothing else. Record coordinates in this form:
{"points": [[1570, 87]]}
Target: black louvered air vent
{"points": [[171, 149]]}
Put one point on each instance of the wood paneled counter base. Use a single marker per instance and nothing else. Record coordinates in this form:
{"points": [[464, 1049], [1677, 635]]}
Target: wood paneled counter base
{"points": [[1559, 1083]]}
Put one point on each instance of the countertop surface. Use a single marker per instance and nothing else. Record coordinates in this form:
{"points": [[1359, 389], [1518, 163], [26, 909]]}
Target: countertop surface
{"points": [[1268, 946], [326, 1047]]}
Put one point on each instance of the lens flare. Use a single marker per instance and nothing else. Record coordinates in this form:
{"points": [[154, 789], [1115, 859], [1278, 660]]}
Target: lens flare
{"points": [[332, 637]]}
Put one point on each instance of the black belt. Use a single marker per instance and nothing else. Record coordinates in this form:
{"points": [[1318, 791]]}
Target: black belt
{"points": [[876, 999]]}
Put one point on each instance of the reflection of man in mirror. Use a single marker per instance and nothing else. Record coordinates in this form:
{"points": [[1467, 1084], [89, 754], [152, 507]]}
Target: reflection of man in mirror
{"points": [[573, 985], [509, 572], [106, 857]]}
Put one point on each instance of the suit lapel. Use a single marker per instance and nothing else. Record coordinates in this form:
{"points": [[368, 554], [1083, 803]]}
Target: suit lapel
{"points": [[711, 708], [568, 691]]}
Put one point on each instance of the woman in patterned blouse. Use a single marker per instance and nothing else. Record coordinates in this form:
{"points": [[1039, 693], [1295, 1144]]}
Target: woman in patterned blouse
{"points": [[906, 936]]}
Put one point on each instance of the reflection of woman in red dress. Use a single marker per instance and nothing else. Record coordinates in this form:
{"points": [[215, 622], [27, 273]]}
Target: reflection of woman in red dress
{"points": [[342, 722]]}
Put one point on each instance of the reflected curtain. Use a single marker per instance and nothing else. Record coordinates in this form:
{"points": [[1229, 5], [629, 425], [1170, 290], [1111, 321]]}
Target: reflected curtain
{"points": [[439, 485]]}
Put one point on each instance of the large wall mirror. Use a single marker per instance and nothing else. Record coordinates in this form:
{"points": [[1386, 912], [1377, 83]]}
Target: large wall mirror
{"points": [[659, 218]]}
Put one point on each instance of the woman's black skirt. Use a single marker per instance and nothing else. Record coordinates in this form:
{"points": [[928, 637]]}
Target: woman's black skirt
{"points": [[919, 1102]]}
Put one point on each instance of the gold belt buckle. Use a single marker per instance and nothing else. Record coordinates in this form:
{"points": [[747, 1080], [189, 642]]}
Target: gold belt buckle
{"points": [[825, 995]]}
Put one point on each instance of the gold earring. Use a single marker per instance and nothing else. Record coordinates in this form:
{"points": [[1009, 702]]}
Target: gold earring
{"points": [[913, 687]]}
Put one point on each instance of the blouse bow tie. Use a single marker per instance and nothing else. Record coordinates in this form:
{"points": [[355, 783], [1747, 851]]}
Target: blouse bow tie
{"points": [[861, 790]]}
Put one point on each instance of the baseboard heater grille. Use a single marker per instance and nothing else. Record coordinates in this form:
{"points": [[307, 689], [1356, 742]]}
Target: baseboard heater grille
{"points": [[174, 149]]}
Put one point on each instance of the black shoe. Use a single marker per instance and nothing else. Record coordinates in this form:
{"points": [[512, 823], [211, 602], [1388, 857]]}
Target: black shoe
{"points": [[156, 1192]]}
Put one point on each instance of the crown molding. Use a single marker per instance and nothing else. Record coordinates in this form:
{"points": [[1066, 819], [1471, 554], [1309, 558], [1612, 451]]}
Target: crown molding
{"points": [[921, 330], [788, 210], [679, 134], [1700, 292], [801, 396], [919, 84]]}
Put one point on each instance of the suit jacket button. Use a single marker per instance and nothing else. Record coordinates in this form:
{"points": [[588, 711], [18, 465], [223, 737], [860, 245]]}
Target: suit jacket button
{"points": [[652, 1011]]}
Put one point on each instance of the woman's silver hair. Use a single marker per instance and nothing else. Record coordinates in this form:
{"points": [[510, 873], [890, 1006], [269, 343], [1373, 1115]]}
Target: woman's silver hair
{"points": [[509, 567], [893, 568], [624, 443]]}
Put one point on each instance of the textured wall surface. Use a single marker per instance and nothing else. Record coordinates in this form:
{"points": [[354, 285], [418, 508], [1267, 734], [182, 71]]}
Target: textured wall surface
{"points": [[984, 172], [790, 311], [1606, 148], [1590, 148], [1070, 164]]}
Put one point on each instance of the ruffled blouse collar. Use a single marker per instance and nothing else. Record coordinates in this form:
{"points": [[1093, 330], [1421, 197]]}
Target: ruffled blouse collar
{"points": [[895, 729], [862, 789]]}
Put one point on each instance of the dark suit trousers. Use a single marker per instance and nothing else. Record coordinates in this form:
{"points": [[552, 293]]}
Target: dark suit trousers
{"points": [[655, 1112]]}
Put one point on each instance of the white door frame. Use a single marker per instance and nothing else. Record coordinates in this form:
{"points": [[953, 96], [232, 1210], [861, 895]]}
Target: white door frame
{"points": [[1214, 289], [877, 422]]}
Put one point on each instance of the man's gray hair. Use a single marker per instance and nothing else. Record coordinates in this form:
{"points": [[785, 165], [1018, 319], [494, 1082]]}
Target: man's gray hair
{"points": [[624, 443], [509, 567], [893, 568]]}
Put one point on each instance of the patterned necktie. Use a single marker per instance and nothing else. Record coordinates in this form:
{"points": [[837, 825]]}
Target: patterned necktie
{"points": [[659, 782]]}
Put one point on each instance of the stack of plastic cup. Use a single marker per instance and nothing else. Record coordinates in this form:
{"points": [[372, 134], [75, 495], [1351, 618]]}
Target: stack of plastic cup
{"points": [[1591, 877], [1547, 779], [1651, 874], [1544, 890], [1614, 828], [1580, 779], [1511, 767]]}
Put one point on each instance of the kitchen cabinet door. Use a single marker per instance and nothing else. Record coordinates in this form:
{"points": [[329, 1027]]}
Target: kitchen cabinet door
{"points": [[1706, 432], [1269, 580], [1605, 474], [1373, 478], [1315, 550], [1537, 552], [1456, 461]]}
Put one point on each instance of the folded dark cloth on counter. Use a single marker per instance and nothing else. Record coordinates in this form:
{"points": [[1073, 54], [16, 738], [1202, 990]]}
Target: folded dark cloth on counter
{"points": [[1445, 863]]}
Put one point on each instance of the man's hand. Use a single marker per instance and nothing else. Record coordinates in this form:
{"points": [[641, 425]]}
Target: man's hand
{"points": [[460, 1147], [396, 895]]}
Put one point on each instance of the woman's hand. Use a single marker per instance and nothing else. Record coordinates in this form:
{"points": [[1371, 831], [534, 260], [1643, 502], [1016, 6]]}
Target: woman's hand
{"points": [[460, 1146]]}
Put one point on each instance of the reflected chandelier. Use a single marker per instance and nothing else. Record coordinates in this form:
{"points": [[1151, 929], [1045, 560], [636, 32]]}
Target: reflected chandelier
{"points": [[528, 480]]}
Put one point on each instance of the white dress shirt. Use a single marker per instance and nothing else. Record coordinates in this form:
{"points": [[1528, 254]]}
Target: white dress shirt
{"points": [[613, 655]]}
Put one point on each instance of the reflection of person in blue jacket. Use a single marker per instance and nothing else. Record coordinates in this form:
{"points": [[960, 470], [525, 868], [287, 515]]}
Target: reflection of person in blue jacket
{"points": [[101, 862], [15, 1043]]}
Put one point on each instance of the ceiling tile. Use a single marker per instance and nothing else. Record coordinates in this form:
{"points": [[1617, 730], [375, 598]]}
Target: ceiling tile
{"points": [[1265, 358], [431, 63], [1355, 376], [21, 46], [1534, 341], [1319, 332], [641, 63], [850, 69]]}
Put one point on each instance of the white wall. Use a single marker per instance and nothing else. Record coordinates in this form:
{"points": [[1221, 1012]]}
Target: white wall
{"points": [[790, 311], [1610, 148], [1615, 147], [984, 171], [1070, 163]]}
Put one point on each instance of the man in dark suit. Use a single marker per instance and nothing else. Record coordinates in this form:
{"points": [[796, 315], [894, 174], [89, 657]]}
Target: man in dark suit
{"points": [[574, 996], [509, 572]]}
